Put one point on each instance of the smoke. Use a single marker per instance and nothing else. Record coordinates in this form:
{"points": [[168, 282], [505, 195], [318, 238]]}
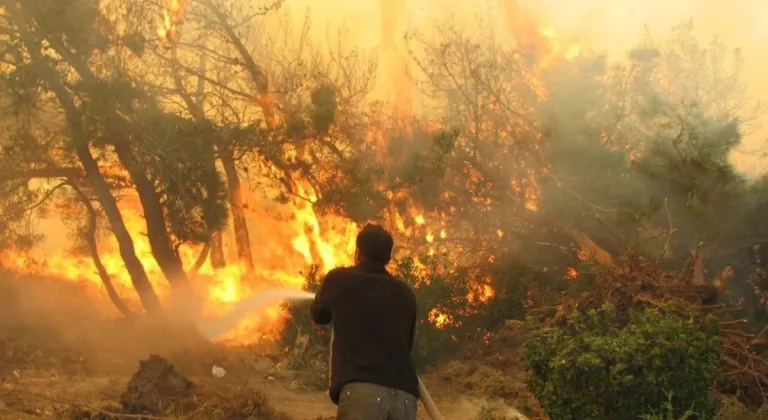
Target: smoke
{"points": [[612, 27], [49, 322], [378, 27]]}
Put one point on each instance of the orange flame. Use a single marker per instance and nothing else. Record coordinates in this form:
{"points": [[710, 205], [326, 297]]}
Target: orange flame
{"points": [[173, 19], [288, 243]]}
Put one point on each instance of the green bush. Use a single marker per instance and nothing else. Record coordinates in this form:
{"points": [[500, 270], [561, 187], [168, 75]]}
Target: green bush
{"points": [[605, 366]]}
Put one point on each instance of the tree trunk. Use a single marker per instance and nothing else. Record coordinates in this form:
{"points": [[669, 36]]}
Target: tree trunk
{"points": [[217, 251], [154, 215], [79, 138], [200, 259], [133, 265], [195, 107], [90, 237], [242, 238]]}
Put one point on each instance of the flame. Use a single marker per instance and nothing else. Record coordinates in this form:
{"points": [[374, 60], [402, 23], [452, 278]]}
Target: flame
{"points": [[172, 19], [440, 319], [288, 246], [287, 239]]}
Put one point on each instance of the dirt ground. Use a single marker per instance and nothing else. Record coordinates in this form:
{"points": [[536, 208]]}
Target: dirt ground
{"points": [[57, 352], [46, 395]]}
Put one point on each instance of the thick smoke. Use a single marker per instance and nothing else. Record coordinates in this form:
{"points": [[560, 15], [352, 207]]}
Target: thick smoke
{"points": [[613, 27]]}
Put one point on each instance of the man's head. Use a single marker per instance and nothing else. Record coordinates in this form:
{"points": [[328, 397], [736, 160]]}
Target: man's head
{"points": [[374, 244]]}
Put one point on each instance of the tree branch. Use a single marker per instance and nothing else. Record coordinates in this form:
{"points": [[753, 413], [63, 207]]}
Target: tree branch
{"points": [[43, 173]]}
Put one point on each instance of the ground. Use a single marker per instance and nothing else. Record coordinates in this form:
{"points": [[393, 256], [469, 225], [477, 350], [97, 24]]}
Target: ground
{"points": [[58, 352], [39, 394]]}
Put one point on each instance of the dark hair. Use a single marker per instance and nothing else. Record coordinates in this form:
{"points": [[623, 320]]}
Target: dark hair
{"points": [[375, 244]]}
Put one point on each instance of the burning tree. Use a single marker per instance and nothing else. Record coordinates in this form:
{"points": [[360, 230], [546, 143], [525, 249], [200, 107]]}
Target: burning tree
{"points": [[301, 101], [536, 163], [130, 123]]}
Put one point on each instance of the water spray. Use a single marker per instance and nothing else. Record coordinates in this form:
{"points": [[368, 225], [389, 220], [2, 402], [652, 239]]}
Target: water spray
{"points": [[260, 299], [263, 298]]}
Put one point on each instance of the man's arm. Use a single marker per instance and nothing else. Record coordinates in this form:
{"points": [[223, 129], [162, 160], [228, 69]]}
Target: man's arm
{"points": [[415, 317], [413, 334], [321, 306]]}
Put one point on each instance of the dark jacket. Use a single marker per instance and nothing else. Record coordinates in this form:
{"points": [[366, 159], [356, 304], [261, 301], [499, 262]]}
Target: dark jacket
{"points": [[374, 317]]}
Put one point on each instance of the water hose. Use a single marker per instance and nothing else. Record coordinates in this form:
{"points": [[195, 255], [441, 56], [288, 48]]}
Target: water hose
{"points": [[426, 399]]}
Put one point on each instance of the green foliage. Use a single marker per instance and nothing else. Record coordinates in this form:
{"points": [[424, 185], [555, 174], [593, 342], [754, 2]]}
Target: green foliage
{"points": [[181, 162], [77, 21], [16, 229], [668, 412], [600, 367]]}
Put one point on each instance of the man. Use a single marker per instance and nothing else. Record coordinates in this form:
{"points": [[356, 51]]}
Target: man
{"points": [[374, 317]]}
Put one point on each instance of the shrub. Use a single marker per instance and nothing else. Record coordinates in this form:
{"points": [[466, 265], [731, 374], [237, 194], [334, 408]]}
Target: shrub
{"points": [[299, 320], [601, 365], [443, 288], [440, 287]]}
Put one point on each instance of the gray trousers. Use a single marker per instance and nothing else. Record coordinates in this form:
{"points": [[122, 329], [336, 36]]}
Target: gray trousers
{"points": [[365, 401]]}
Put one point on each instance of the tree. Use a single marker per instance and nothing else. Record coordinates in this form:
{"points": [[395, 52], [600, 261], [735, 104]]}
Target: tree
{"points": [[35, 29], [305, 119], [107, 110]]}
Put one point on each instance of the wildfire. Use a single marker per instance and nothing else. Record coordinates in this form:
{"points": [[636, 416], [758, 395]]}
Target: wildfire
{"points": [[440, 319], [288, 243], [172, 20], [287, 239], [557, 48]]}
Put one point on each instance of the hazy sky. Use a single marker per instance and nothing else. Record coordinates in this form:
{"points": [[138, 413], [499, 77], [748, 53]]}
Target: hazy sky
{"points": [[611, 25]]}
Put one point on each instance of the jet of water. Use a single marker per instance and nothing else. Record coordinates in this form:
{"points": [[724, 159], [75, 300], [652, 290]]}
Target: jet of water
{"points": [[256, 301]]}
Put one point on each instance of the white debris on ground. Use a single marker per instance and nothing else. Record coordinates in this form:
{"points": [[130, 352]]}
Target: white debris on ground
{"points": [[218, 371]]}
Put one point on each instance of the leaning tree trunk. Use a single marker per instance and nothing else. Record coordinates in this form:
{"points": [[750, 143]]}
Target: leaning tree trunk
{"points": [[90, 237], [242, 238], [80, 137], [200, 260], [133, 265], [157, 233]]}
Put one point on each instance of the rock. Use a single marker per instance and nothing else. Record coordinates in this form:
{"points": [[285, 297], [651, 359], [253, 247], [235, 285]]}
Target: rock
{"points": [[157, 388]]}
